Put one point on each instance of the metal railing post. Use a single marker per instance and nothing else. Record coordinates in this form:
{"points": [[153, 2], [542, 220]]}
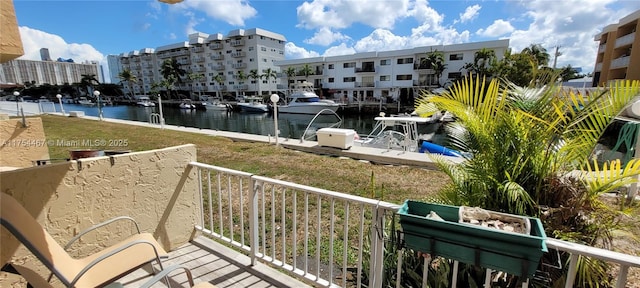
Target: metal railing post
{"points": [[377, 248], [253, 220]]}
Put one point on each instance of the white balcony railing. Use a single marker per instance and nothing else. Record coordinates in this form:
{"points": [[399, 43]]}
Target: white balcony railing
{"points": [[288, 225], [620, 62]]}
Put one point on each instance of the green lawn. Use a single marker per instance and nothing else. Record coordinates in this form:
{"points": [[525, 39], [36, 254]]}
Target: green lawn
{"points": [[393, 183]]}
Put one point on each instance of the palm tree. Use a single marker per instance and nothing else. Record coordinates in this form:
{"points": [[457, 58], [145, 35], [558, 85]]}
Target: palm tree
{"points": [[128, 77], [483, 60], [241, 77], [435, 61], [290, 72], [172, 72], [253, 74], [524, 141], [538, 54], [195, 77], [306, 71], [220, 80], [88, 81], [269, 73]]}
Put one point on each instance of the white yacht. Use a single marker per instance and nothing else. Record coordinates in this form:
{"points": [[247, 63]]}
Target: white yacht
{"points": [[304, 101], [145, 102]]}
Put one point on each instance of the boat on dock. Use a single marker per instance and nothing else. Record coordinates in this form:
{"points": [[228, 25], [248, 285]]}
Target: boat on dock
{"points": [[187, 104], [401, 133], [144, 101], [253, 104], [303, 100]]}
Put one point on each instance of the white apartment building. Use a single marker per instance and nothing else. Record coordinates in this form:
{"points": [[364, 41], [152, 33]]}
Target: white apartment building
{"points": [[379, 75], [231, 57], [46, 72]]}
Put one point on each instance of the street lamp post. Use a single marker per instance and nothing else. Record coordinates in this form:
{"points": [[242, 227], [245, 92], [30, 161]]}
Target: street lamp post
{"points": [[275, 98], [160, 110], [16, 94], [60, 101], [97, 94]]}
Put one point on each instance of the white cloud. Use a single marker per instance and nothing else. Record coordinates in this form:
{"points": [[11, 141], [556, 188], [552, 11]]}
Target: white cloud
{"points": [[33, 40], [496, 29], [234, 12], [381, 40], [341, 49], [325, 37], [470, 13], [343, 13], [571, 25], [291, 51]]}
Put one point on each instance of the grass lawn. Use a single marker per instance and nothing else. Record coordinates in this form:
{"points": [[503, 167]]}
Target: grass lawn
{"points": [[393, 183]]}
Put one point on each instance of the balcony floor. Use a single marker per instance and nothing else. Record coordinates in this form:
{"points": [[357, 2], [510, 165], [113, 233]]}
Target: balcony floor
{"points": [[217, 264]]}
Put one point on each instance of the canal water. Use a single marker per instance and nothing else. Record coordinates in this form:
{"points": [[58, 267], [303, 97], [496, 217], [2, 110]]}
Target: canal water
{"points": [[291, 125]]}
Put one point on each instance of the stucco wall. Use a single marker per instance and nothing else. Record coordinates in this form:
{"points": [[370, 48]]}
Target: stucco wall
{"points": [[19, 146], [157, 188], [10, 42]]}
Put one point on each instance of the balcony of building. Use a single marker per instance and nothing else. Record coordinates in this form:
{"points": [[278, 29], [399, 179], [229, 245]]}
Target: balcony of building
{"points": [[198, 49], [220, 87], [238, 54], [241, 87], [218, 67], [365, 69], [235, 43], [215, 46], [231, 228], [620, 62], [598, 67], [199, 59], [602, 48], [365, 84], [217, 57], [198, 69], [625, 40], [424, 67], [239, 65]]}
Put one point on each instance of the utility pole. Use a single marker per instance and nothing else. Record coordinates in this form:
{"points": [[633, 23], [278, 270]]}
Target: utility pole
{"points": [[555, 56]]}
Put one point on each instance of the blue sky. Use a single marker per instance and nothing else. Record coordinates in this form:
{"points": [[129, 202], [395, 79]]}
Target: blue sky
{"points": [[91, 30]]}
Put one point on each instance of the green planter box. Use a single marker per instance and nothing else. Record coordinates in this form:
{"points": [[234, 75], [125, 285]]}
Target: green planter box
{"points": [[514, 253]]}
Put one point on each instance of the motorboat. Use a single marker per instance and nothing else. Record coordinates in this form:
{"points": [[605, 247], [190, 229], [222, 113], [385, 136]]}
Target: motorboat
{"points": [[215, 105], [401, 133], [186, 104], [304, 101], [145, 102], [86, 102], [253, 105]]}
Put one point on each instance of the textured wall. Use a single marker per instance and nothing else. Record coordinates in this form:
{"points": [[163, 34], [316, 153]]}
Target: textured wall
{"points": [[19, 146], [10, 42], [157, 188]]}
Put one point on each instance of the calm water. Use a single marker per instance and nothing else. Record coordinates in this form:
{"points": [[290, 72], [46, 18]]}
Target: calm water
{"points": [[290, 125]]}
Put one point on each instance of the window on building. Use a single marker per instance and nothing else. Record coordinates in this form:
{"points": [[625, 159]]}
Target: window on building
{"points": [[405, 60], [404, 77], [331, 80], [457, 56], [229, 51], [349, 65], [251, 48], [454, 75], [349, 79], [385, 62], [250, 37], [385, 78], [264, 60], [330, 66], [263, 49]]}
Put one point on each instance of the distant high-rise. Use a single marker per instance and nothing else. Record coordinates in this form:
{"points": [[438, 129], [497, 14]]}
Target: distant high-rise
{"points": [[235, 64], [44, 54]]}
